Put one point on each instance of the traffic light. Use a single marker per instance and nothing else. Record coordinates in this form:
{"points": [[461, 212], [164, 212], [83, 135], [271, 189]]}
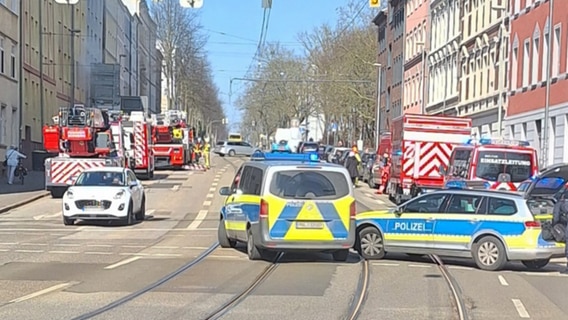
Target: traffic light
{"points": [[375, 3]]}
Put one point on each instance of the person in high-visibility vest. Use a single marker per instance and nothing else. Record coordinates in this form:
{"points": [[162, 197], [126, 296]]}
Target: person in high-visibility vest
{"points": [[206, 150], [197, 151], [177, 134]]}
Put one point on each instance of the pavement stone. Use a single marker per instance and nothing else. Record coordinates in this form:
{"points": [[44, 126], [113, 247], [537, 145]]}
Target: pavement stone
{"points": [[15, 195]]}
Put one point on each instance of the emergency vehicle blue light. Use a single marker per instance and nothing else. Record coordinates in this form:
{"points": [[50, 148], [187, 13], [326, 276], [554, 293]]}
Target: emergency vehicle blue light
{"points": [[456, 184], [304, 157], [520, 143], [487, 185]]}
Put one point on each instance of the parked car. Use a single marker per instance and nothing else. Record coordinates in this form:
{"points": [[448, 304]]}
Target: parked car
{"points": [[304, 147], [234, 148]]}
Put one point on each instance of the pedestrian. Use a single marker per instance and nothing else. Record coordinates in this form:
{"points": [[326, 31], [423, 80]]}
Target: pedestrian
{"points": [[352, 165], [206, 154], [560, 219], [12, 160]]}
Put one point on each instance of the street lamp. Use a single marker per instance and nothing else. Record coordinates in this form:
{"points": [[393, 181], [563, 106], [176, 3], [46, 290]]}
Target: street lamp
{"points": [[378, 111], [502, 62], [422, 78], [73, 31]]}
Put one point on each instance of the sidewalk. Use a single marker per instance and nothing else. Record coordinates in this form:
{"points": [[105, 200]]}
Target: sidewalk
{"points": [[17, 194]]}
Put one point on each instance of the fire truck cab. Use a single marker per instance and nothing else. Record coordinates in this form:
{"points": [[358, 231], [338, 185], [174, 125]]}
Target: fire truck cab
{"points": [[490, 163]]}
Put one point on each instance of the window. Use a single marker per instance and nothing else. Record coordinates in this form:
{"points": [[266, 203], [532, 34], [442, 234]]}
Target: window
{"points": [[499, 206], [308, 184], [14, 126], [13, 62], [526, 63], [556, 51], [2, 56], [535, 60], [15, 6], [515, 68], [460, 162], [492, 164], [545, 53], [236, 180], [3, 123], [463, 203], [432, 203]]}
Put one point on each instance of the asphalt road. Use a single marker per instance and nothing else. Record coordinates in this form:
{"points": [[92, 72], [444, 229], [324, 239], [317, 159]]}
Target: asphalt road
{"points": [[50, 271]]}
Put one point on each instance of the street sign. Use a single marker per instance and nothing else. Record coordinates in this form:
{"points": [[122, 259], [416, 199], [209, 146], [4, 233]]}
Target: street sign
{"points": [[67, 1], [195, 4]]}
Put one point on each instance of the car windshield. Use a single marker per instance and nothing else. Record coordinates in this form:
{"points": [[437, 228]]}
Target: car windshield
{"points": [[100, 179], [302, 184], [309, 147], [220, 143], [491, 164]]}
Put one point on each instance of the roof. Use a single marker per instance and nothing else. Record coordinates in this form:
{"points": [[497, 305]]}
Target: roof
{"points": [[271, 163], [105, 169], [483, 192]]}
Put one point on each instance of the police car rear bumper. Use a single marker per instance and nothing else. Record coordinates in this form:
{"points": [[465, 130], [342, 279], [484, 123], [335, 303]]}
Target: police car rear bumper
{"points": [[263, 241], [535, 254]]}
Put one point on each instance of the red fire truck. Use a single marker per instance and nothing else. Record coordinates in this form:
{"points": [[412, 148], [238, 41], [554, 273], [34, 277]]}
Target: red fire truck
{"points": [[82, 139], [490, 163], [420, 145], [171, 141]]}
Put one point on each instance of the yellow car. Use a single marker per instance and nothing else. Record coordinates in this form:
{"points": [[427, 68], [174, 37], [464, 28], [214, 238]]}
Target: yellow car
{"points": [[284, 202], [492, 227]]}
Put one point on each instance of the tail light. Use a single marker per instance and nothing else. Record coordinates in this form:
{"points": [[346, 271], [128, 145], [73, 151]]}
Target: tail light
{"points": [[532, 224], [263, 209], [353, 210]]}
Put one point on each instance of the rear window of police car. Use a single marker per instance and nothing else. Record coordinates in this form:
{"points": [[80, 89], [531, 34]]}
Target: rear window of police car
{"points": [[309, 184]]}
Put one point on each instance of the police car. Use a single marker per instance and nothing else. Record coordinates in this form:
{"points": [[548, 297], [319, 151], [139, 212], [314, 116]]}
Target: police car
{"points": [[492, 227], [285, 201]]}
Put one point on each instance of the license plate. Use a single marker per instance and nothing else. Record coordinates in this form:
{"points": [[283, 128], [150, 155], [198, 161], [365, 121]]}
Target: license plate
{"points": [[92, 208], [309, 225]]}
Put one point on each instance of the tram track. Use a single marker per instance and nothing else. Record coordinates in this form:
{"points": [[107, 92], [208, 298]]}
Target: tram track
{"points": [[361, 292], [457, 298]]}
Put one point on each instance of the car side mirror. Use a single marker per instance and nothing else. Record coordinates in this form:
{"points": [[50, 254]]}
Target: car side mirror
{"points": [[69, 182], [442, 170], [398, 211], [133, 184], [225, 191]]}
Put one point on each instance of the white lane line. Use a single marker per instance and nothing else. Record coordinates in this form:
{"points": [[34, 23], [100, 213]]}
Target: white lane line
{"points": [[199, 219], [217, 176], [175, 188], [33, 244], [150, 212], [42, 292], [51, 215], [139, 255], [29, 251], [66, 245], [521, 308], [209, 196], [460, 268], [215, 180], [503, 281], [100, 245], [212, 189], [214, 184], [199, 248], [64, 252], [134, 247], [379, 201], [99, 253], [206, 203], [121, 263], [4, 250], [163, 247], [385, 264], [418, 266], [8, 243]]}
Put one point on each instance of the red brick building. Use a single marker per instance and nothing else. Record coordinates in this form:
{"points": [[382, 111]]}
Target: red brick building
{"points": [[391, 38], [529, 51]]}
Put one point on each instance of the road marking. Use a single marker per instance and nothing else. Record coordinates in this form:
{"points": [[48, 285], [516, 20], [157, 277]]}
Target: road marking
{"points": [[66, 245], [212, 189], [4, 250], [206, 203], [460, 268], [96, 252], [419, 266], [214, 184], [133, 247], [64, 252], [8, 243], [379, 201], [218, 176], [33, 244], [215, 180], [175, 188], [103, 230], [42, 292], [502, 280], [209, 195], [200, 248], [100, 245], [121, 263], [52, 215], [199, 219], [521, 308], [29, 251], [385, 264], [163, 247]]}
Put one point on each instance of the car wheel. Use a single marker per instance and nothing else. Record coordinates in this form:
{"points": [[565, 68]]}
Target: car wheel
{"points": [[341, 255], [128, 220], [141, 215], [68, 222], [489, 254], [252, 250], [370, 244], [536, 264], [222, 237], [231, 153]]}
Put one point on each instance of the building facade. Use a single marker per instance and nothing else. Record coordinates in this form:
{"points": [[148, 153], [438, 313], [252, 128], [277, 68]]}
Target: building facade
{"points": [[415, 50], [391, 22], [443, 57], [531, 49], [9, 74], [146, 56], [116, 40], [483, 63]]}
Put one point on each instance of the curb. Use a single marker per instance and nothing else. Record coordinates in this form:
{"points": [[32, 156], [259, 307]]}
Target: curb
{"points": [[22, 203]]}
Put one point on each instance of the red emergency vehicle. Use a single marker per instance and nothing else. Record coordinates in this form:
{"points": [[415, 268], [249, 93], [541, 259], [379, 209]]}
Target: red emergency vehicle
{"points": [[420, 145], [491, 163], [172, 141], [138, 144]]}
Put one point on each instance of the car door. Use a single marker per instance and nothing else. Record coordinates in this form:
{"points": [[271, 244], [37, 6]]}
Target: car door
{"points": [[411, 228], [247, 148], [135, 191], [234, 210], [454, 228]]}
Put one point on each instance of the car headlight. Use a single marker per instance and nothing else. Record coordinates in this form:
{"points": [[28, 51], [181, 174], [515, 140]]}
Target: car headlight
{"points": [[69, 195], [119, 195]]}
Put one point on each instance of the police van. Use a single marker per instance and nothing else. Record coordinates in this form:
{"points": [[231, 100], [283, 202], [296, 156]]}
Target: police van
{"points": [[289, 202]]}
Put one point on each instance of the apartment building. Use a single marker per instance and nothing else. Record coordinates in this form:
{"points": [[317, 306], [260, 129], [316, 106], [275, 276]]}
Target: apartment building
{"points": [[483, 63], [9, 74], [415, 53], [117, 40], [531, 28], [391, 23], [443, 57]]}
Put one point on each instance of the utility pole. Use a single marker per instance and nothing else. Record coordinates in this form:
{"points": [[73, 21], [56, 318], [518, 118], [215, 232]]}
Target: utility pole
{"points": [[502, 64], [378, 111], [545, 137]]}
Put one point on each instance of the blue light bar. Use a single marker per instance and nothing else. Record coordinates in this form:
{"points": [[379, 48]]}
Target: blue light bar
{"points": [[456, 184], [284, 156], [503, 142]]}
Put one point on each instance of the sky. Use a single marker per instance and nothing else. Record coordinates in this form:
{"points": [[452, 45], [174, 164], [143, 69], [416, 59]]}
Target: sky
{"points": [[234, 30]]}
